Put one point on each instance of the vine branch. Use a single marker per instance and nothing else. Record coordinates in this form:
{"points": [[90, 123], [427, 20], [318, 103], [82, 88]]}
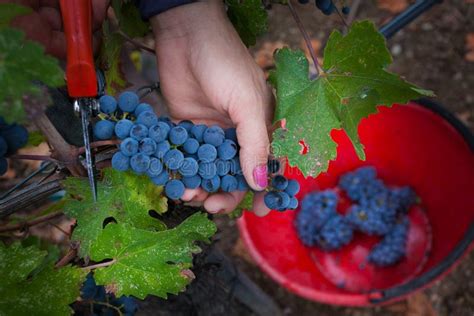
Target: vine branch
{"points": [[306, 38], [100, 265], [33, 222]]}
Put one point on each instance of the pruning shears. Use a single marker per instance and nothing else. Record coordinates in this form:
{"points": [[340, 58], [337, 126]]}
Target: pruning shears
{"points": [[80, 72]]}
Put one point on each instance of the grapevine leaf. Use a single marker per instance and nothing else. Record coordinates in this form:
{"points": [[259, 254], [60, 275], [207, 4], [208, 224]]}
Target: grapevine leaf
{"points": [[353, 83], [47, 292], [112, 43], [10, 10], [123, 197], [146, 262], [21, 63], [249, 19], [245, 204], [129, 19]]}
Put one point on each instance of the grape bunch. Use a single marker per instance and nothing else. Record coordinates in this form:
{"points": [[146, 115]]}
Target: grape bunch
{"points": [[281, 194], [97, 295], [377, 210], [12, 138], [328, 7]]}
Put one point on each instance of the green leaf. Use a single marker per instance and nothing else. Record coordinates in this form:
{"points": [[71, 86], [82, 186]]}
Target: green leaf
{"points": [[249, 19], [48, 292], [146, 262], [130, 21], [353, 83], [110, 60], [123, 196], [21, 63], [10, 10], [245, 204]]}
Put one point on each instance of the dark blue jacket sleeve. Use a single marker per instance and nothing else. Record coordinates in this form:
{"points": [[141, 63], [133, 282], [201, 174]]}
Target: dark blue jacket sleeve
{"points": [[149, 8]]}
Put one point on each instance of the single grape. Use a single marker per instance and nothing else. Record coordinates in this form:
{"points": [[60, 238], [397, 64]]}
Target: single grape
{"points": [[188, 125], [16, 137], [273, 165], [129, 147], [197, 131], [167, 121], [189, 167], [207, 153], [155, 168], [346, 10], [147, 146], [3, 165], [107, 104], [162, 148], [284, 201], [140, 163], [207, 170], [231, 134], [279, 182], [191, 146], [120, 162], [178, 135], [272, 200], [147, 118], [293, 203], [104, 129], [235, 167], [159, 132], [174, 189], [139, 131], [292, 188], [242, 184], [3, 146], [192, 182], [223, 167], [122, 128], [161, 179], [214, 135], [227, 150], [128, 101], [211, 185], [142, 107], [229, 183], [173, 159]]}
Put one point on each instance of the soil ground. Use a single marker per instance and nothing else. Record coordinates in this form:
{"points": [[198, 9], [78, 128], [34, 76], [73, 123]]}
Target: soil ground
{"points": [[430, 52]]}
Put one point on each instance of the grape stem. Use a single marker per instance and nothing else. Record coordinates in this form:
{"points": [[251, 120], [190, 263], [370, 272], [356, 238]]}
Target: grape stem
{"points": [[33, 222], [33, 157], [98, 143], [306, 38], [100, 265]]}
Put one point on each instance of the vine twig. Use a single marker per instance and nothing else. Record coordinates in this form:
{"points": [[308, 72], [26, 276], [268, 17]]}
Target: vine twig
{"points": [[98, 143], [306, 38], [136, 43], [33, 157], [33, 222], [71, 254], [100, 265]]}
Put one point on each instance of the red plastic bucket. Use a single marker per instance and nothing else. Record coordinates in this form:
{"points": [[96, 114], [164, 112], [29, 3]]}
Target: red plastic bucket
{"points": [[419, 144]]}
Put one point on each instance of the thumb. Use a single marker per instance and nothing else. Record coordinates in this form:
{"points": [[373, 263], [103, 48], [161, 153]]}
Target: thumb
{"points": [[252, 134]]}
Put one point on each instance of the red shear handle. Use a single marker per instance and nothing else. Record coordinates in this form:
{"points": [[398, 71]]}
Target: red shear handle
{"points": [[80, 70]]}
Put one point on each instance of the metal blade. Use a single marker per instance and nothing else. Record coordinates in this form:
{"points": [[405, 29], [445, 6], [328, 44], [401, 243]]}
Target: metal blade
{"points": [[90, 161]]}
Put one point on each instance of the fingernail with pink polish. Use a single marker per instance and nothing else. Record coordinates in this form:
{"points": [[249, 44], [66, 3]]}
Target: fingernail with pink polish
{"points": [[260, 176]]}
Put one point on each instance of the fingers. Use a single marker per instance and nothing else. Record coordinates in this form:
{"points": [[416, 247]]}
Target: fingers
{"points": [[194, 195], [259, 207], [223, 202]]}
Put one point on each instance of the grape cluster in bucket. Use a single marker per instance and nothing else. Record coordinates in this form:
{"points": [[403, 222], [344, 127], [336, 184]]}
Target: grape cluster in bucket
{"points": [[377, 210], [12, 137], [177, 156]]}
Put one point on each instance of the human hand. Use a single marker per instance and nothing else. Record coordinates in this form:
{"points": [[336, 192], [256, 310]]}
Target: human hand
{"points": [[208, 76], [44, 24]]}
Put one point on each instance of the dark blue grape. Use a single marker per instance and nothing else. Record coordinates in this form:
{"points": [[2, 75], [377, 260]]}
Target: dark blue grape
{"points": [[191, 146], [273, 166], [335, 233], [140, 163], [139, 131], [161, 179], [346, 10], [174, 189], [192, 182], [368, 221], [173, 159], [104, 129], [317, 208], [159, 132], [147, 146], [122, 128], [207, 170], [189, 167], [128, 101], [162, 148], [3, 165], [188, 125], [16, 137], [229, 183], [142, 107], [223, 167], [235, 167], [292, 188], [284, 201], [293, 203], [242, 184], [392, 248], [320, 199], [361, 184], [231, 134], [155, 168], [120, 161], [272, 200], [197, 131], [279, 182], [207, 153], [3, 146], [147, 118], [129, 147], [178, 135], [227, 150], [107, 104], [214, 135], [211, 185]]}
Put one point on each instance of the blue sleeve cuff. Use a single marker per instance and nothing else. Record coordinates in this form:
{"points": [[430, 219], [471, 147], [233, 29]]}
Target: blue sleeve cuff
{"points": [[149, 8]]}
